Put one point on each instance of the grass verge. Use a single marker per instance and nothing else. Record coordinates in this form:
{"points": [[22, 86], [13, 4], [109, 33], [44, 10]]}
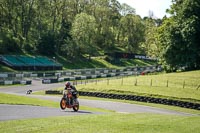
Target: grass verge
{"points": [[175, 108], [23, 100], [175, 86], [107, 123], [101, 62]]}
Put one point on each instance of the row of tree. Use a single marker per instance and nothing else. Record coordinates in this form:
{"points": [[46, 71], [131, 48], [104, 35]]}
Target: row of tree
{"points": [[73, 28], [68, 27], [179, 36]]}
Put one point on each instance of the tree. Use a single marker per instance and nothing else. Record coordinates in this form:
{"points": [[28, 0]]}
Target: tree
{"points": [[151, 45], [180, 36], [107, 16], [126, 9], [64, 26], [83, 31], [46, 44], [132, 33]]}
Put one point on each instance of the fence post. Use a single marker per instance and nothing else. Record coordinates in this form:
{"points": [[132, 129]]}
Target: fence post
{"points": [[167, 83], [183, 84], [96, 81], [151, 83], [122, 81], [107, 81], [136, 82]]}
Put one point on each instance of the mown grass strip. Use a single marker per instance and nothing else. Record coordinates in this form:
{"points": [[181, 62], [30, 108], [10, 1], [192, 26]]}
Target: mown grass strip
{"points": [[15, 99], [175, 108], [181, 86], [23, 100], [179, 109], [107, 123]]}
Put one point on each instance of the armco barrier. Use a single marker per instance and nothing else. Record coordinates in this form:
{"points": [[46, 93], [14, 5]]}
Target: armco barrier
{"points": [[56, 80], [53, 92], [135, 98], [75, 72], [9, 82], [85, 77]]}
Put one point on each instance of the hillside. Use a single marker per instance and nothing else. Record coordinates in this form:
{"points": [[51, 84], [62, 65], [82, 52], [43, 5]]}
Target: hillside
{"points": [[102, 62], [94, 62], [182, 86]]}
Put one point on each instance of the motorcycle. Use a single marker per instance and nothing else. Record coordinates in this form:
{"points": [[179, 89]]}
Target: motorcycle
{"points": [[68, 101]]}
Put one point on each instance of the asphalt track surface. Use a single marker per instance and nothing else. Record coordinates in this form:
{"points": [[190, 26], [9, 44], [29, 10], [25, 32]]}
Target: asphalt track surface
{"points": [[15, 112]]}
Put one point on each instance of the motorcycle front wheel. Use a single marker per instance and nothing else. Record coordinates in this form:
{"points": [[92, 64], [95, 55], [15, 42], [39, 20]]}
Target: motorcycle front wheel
{"points": [[63, 104], [76, 107]]}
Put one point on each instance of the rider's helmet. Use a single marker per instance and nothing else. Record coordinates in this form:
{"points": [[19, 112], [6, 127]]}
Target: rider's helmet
{"points": [[67, 84]]}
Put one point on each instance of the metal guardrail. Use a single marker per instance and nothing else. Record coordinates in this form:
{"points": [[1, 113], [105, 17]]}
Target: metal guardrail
{"points": [[75, 72]]}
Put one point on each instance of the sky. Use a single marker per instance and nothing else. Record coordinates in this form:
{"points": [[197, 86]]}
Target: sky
{"points": [[142, 7]]}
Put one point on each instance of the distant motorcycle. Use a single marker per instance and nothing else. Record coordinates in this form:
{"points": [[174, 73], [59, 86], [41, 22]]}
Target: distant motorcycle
{"points": [[68, 101], [29, 92]]}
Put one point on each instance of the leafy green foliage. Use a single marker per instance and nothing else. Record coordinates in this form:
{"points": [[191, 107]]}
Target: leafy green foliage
{"points": [[80, 28], [132, 32], [8, 43], [69, 28], [83, 31], [179, 36], [46, 45], [151, 45]]}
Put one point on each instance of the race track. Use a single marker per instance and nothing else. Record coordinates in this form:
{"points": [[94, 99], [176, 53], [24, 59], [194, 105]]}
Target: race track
{"points": [[13, 112]]}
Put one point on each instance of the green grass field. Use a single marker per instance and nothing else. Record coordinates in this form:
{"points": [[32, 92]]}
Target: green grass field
{"points": [[112, 122], [101, 62], [179, 86], [23, 100], [107, 123], [15, 99]]}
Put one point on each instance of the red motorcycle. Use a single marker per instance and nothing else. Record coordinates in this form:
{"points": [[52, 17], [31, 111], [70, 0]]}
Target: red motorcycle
{"points": [[68, 101]]}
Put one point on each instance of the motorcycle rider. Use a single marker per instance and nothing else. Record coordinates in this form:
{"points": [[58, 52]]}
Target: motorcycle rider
{"points": [[74, 91]]}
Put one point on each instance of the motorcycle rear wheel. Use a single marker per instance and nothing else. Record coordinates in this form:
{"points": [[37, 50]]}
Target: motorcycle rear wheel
{"points": [[63, 104]]}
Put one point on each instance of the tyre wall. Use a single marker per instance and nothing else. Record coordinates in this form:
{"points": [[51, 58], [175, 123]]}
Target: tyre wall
{"points": [[178, 103]]}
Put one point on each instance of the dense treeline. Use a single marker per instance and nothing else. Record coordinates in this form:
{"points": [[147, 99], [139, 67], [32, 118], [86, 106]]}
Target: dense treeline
{"points": [[73, 28], [69, 27], [179, 36]]}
